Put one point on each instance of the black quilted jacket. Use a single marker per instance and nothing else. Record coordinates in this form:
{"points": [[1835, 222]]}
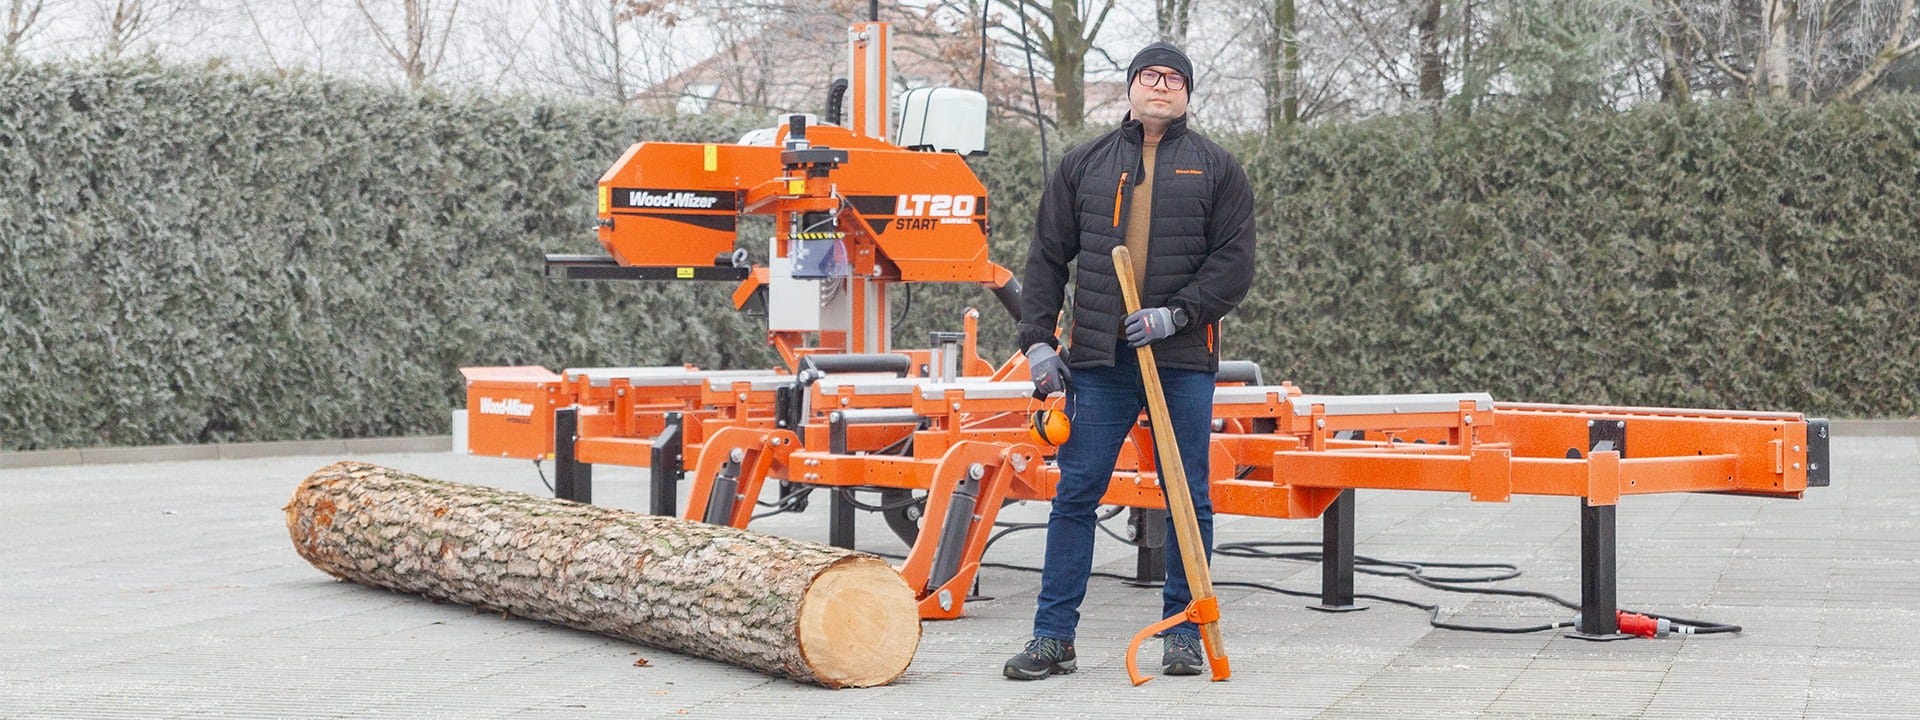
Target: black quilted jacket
{"points": [[1199, 258]]}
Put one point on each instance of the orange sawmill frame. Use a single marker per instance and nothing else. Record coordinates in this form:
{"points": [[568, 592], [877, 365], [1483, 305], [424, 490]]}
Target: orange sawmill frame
{"points": [[846, 410]]}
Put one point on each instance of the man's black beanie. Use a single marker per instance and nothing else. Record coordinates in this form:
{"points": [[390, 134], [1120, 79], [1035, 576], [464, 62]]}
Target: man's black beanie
{"points": [[1162, 53]]}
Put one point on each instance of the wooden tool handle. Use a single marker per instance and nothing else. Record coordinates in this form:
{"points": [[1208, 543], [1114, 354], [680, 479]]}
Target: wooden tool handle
{"points": [[1173, 472]]}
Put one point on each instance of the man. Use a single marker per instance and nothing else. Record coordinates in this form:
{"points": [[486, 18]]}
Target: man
{"points": [[1184, 209]]}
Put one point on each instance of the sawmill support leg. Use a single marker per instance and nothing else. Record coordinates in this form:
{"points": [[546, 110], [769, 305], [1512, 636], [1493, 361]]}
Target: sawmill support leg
{"points": [[839, 507], [1336, 556], [668, 468], [1599, 578], [1149, 526], [840, 521], [572, 479]]}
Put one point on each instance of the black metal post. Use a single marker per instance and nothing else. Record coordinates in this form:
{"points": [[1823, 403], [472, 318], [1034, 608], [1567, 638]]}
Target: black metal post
{"points": [[668, 467], [840, 520], [840, 507], [1599, 579], [1336, 556], [1149, 526], [572, 479], [783, 402]]}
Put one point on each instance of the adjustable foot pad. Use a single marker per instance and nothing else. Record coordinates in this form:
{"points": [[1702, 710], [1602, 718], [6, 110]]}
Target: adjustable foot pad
{"points": [[1337, 608]]}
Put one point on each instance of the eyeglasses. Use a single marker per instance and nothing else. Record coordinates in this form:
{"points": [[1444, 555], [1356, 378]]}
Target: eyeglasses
{"points": [[1174, 81]]}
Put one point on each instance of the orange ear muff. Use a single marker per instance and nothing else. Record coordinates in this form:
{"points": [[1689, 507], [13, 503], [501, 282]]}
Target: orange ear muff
{"points": [[1049, 427]]}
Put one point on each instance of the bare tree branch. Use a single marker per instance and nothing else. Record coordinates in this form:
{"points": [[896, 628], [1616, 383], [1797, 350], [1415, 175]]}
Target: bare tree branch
{"points": [[1171, 19], [420, 47], [259, 33], [125, 23], [1743, 78], [440, 54], [21, 17], [380, 35], [1890, 52]]}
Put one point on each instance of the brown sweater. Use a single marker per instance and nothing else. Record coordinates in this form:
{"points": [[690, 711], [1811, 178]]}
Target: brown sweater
{"points": [[1140, 216]]}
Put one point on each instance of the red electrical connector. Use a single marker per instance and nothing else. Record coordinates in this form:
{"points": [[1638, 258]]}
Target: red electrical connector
{"points": [[1643, 626], [1649, 627], [1646, 626]]}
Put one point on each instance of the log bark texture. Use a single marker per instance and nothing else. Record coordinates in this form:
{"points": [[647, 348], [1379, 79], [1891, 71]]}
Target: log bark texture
{"points": [[789, 608]]}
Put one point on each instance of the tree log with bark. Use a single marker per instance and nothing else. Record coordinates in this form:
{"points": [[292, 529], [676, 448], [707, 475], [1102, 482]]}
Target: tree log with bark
{"points": [[784, 607]]}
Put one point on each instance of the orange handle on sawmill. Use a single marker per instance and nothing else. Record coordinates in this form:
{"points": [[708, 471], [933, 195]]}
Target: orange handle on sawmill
{"points": [[1204, 610]]}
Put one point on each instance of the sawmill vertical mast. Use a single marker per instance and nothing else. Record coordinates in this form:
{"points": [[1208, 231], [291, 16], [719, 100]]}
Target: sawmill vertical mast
{"points": [[868, 49], [861, 323]]}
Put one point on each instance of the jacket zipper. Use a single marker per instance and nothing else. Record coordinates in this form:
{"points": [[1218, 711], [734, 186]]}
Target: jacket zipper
{"points": [[1116, 198], [1210, 337]]}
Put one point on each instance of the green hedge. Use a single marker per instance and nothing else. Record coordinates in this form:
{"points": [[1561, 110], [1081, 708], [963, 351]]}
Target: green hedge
{"points": [[1717, 256], [191, 256], [196, 257]]}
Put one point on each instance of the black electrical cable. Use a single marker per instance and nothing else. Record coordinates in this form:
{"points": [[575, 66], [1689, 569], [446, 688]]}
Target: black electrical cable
{"points": [[543, 475], [1117, 536], [1096, 573], [1414, 571], [1033, 84], [1433, 618], [786, 504], [1009, 530], [1433, 611], [1700, 627], [792, 502], [848, 494], [906, 306], [980, 81], [1410, 570]]}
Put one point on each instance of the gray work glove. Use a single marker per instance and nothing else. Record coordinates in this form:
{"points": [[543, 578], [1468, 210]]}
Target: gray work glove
{"points": [[1049, 371], [1148, 325]]}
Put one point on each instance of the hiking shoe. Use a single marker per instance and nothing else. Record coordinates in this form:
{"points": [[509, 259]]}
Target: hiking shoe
{"points": [[1044, 656], [1181, 655]]}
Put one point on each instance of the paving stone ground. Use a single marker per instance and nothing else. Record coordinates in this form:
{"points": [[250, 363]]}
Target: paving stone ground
{"points": [[170, 589]]}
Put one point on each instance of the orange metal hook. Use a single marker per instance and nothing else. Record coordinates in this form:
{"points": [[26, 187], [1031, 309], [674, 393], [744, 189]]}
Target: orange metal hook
{"points": [[1201, 611]]}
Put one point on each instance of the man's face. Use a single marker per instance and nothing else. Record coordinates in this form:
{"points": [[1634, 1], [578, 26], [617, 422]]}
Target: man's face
{"points": [[1158, 102]]}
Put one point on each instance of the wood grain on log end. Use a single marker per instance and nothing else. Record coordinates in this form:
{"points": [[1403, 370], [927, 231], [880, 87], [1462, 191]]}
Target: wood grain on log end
{"points": [[859, 623]]}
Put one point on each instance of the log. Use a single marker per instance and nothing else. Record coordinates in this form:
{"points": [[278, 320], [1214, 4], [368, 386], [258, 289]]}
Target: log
{"points": [[784, 607]]}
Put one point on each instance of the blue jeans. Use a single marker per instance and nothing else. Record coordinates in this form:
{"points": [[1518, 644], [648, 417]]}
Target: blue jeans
{"points": [[1105, 403]]}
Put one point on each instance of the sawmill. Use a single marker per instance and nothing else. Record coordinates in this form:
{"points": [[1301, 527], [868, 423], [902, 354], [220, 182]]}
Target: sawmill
{"points": [[938, 437]]}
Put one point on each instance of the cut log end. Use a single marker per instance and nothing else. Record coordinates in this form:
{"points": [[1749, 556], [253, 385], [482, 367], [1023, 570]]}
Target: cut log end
{"points": [[859, 624]]}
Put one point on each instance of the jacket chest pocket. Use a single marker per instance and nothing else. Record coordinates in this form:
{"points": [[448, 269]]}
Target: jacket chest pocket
{"points": [[1187, 185]]}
